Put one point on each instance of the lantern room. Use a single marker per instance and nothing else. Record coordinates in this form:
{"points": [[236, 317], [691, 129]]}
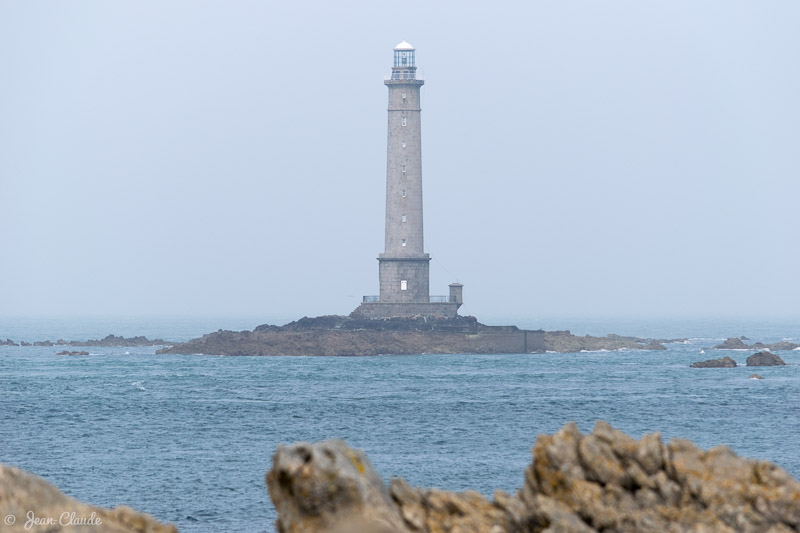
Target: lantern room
{"points": [[404, 67]]}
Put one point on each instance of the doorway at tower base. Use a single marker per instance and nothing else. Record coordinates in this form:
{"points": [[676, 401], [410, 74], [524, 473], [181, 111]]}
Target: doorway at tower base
{"points": [[402, 309]]}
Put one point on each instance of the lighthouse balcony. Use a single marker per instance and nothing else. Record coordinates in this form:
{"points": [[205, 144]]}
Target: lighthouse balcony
{"points": [[404, 75], [432, 299]]}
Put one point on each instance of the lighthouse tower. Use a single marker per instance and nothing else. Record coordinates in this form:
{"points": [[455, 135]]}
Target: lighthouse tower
{"points": [[404, 266], [403, 270]]}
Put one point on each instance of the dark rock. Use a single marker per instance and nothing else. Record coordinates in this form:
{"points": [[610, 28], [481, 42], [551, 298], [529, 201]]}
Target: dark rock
{"points": [[765, 359], [724, 362], [655, 346], [23, 343], [266, 328], [604, 481], [756, 376], [784, 346], [112, 341], [737, 344], [732, 343], [8, 342], [65, 352], [115, 341]]}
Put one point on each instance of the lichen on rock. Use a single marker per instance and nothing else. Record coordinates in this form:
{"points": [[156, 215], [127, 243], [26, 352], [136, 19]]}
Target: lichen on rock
{"points": [[604, 481], [29, 503]]}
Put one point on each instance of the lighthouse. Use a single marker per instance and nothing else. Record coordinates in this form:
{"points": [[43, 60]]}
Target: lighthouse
{"points": [[404, 267]]}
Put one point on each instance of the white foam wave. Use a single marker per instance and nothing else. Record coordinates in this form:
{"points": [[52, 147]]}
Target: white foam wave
{"points": [[138, 385]]}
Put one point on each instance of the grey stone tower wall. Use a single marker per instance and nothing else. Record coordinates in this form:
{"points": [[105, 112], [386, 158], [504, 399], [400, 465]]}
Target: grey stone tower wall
{"points": [[456, 293], [404, 221], [398, 181], [392, 272]]}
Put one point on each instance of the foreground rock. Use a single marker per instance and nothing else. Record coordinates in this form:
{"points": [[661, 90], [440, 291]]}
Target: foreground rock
{"points": [[605, 481], [340, 335], [328, 486], [22, 493], [733, 343], [724, 362], [765, 359]]}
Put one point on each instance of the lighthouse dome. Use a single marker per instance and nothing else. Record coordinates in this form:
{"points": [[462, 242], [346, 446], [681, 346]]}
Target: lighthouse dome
{"points": [[404, 46]]}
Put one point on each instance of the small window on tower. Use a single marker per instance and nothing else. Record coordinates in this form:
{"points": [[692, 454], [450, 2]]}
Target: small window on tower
{"points": [[403, 285], [404, 144], [404, 96], [404, 217], [404, 169], [404, 121], [404, 242], [404, 193]]}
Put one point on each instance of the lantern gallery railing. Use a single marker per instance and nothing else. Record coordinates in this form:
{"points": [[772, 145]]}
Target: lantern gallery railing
{"points": [[403, 75], [433, 299]]}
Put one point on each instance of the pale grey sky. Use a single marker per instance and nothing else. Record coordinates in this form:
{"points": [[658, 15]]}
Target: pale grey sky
{"points": [[228, 158]]}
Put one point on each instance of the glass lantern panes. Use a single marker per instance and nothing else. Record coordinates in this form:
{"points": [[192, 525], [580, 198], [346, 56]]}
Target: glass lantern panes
{"points": [[404, 58]]}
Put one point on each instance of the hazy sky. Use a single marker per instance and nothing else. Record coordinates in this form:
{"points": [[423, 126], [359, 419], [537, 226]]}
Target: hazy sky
{"points": [[588, 158]]}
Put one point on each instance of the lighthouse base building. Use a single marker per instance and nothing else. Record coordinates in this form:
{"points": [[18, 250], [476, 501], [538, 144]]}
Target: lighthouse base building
{"points": [[403, 269]]}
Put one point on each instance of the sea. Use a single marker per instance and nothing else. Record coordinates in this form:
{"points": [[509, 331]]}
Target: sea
{"points": [[189, 438]]}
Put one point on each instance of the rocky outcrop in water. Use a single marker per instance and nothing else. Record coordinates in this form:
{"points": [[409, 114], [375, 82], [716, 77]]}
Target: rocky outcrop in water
{"points": [[566, 342], [605, 481], [341, 335], [67, 352], [733, 343], [723, 362], [109, 341], [29, 503], [115, 341], [765, 359], [8, 342]]}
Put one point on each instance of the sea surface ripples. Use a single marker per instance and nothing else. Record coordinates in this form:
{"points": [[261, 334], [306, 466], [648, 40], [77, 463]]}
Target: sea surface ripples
{"points": [[189, 438]]}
